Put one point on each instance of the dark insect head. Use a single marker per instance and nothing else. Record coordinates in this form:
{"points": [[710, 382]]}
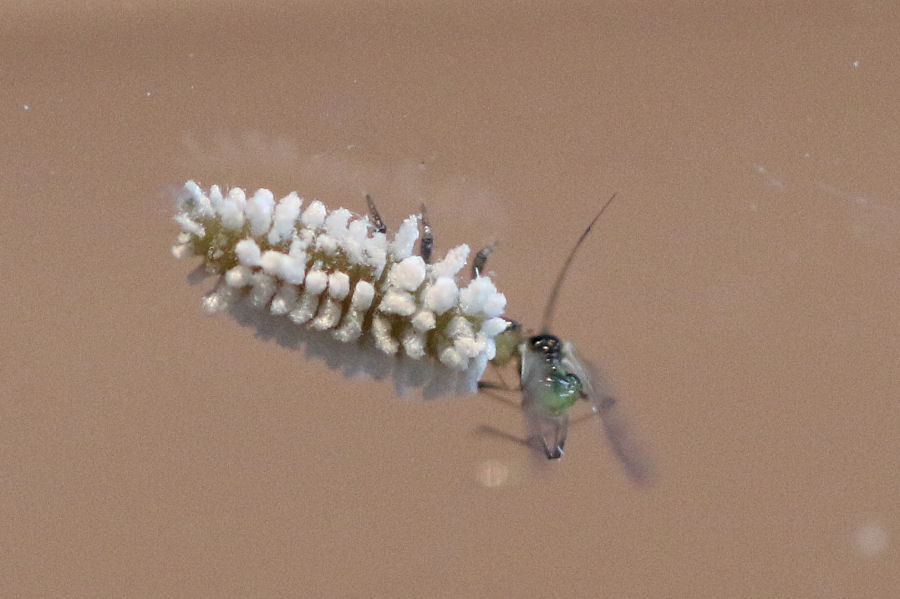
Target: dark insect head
{"points": [[548, 345]]}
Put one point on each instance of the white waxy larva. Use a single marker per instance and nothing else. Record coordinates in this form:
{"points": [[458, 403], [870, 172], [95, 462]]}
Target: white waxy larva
{"points": [[333, 271]]}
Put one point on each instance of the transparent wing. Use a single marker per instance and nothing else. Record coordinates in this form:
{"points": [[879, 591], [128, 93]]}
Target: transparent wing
{"points": [[621, 439], [546, 428]]}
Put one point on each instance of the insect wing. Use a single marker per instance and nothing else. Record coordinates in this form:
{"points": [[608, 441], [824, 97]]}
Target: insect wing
{"points": [[544, 426], [621, 439]]}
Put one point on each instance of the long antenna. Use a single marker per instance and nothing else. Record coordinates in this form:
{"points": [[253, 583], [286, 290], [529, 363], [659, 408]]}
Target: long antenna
{"points": [[551, 303]]}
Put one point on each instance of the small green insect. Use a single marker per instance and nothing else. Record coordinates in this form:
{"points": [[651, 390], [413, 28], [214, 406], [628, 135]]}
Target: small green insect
{"points": [[552, 379]]}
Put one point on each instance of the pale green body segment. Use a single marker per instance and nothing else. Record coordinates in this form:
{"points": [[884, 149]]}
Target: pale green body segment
{"points": [[558, 391], [507, 344]]}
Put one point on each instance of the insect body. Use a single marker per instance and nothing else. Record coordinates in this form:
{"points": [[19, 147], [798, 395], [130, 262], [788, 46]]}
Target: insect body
{"points": [[552, 379], [548, 391], [338, 273]]}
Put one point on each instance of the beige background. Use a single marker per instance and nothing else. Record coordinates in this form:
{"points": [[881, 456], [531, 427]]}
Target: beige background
{"points": [[741, 296]]}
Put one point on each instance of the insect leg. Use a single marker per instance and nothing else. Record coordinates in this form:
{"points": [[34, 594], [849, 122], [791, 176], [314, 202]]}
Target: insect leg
{"points": [[553, 434], [426, 246], [550, 429], [496, 386], [376, 218]]}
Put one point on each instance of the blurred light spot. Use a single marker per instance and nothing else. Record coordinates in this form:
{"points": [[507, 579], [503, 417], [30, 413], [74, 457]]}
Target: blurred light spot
{"points": [[27, 107], [870, 539], [492, 474]]}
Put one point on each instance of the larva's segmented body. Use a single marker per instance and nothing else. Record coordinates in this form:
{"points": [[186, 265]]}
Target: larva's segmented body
{"points": [[333, 271]]}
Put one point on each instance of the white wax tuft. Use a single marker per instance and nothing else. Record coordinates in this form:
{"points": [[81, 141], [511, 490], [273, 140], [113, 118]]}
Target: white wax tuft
{"points": [[441, 295], [381, 331], [215, 198], [477, 295], [407, 274], [414, 344], [232, 215], [263, 287], [405, 239], [452, 358], [237, 195], [259, 211], [314, 216], [363, 295], [247, 252], [459, 326], [286, 213], [452, 263], [327, 243], [338, 285], [293, 268], [423, 321], [285, 300], [272, 262], [316, 281], [193, 189], [494, 326], [190, 226], [239, 276], [336, 222], [398, 302], [495, 305]]}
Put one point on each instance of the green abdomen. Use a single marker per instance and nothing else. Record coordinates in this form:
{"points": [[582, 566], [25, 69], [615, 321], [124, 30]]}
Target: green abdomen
{"points": [[558, 393]]}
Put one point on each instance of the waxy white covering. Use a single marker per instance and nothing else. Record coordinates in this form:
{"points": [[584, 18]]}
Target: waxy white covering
{"points": [[331, 270]]}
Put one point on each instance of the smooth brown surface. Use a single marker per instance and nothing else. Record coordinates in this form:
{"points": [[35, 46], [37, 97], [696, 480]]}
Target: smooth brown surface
{"points": [[741, 296]]}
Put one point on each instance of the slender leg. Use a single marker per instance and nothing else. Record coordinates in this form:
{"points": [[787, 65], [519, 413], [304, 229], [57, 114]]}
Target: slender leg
{"points": [[496, 386], [376, 218], [553, 433], [549, 429], [555, 449], [427, 244]]}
